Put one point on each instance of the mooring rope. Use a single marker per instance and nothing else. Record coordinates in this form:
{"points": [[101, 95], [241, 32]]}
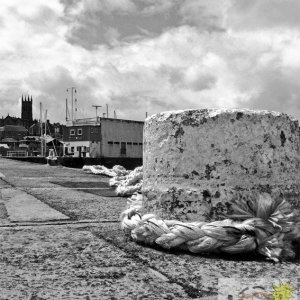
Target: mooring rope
{"points": [[126, 182], [266, 225]]}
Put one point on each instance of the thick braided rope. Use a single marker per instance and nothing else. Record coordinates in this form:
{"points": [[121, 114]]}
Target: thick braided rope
{"points": [[267, 227], [126, 182]]}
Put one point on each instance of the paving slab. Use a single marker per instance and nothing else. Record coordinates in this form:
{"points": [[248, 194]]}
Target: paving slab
{"points": [[22, 207], [73, 192], [63, 262]]}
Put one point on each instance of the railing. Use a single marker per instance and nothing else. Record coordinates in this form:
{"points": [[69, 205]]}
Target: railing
{"points": [[16, 153]]}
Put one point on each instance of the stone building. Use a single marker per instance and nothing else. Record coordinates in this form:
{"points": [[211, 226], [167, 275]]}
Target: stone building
{"points": [[26, 112], [26, 119]]}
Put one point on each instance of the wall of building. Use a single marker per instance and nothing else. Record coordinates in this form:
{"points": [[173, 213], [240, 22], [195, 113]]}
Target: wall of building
{"points": [[112, 138], [77, 148], [11, 131], [82, 140], [95, 149], [82, 133], [121, 138]]}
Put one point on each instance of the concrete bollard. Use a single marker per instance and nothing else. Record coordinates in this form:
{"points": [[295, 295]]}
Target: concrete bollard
{"points": [[197, 161]]}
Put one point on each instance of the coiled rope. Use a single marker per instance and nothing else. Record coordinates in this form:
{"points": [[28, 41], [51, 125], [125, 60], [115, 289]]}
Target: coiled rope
{"points": [[265, 225]]}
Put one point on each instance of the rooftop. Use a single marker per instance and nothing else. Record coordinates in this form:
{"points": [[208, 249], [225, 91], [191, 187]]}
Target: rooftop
{"points": [[17, 128]]}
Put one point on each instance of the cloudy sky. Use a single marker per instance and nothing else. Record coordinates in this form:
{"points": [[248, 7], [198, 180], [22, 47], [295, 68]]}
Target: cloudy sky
{"points": [[142, 56]]}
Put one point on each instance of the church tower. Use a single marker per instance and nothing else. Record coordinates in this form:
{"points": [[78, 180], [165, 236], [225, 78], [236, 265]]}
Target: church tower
{"points": [[26, 113]]}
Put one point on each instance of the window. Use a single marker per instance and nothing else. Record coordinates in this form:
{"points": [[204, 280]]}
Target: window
{"points": [[110, 142], [72, 149], [135, 143], [79, 131], [140, 143], [78, 148], [129, 143], [72, 131], [117, 143], [84, 148]]}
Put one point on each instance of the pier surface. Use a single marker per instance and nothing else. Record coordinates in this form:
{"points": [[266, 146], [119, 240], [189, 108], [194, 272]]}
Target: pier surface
{"points": [[60, 238]]}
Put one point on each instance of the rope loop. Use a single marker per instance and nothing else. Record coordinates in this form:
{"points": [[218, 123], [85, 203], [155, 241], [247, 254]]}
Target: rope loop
{"points": [[265, 225]]}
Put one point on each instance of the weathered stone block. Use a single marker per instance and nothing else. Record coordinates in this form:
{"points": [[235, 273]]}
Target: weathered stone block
{"points": [[197, 161]]}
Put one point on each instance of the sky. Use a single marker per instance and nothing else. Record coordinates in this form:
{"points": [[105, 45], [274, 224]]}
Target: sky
{"points": [[149, 56]]}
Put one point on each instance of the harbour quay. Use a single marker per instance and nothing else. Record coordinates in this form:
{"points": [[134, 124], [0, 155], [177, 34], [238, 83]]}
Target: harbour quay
{"points": [[60, 238]]}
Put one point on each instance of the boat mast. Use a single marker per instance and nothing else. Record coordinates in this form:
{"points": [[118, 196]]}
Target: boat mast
{"points": [[41, 129], [45, 132]]}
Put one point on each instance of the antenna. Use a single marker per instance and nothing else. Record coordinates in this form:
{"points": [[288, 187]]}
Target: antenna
{"points": [[75, 108], [106, 110], [96, 106], [66, 109]]}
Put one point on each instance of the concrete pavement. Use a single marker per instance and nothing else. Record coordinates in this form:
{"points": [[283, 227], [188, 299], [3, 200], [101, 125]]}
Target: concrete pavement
{"points": [[22, 207], [83, 254]]}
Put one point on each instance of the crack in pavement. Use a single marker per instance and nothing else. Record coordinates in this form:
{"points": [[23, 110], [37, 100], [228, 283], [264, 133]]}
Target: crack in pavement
{"points": [[55, 223], [193, 293]]}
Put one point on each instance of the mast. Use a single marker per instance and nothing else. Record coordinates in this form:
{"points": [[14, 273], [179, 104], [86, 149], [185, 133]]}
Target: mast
{"points": [[73, 91], [75, 109], [66, 109], [41, 129], [72, 112], [45, 132]]}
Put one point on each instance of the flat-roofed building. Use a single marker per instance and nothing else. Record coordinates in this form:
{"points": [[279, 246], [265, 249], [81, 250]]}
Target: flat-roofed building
{"points": [[104, 137]]}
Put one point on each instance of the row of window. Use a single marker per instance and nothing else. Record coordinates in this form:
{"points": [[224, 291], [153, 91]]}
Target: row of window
{"points": [[128, 143], [79, 131], [80, 148]]}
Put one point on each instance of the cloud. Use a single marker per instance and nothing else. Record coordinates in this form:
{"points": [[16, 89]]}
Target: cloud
{"points": [[205, 14], [149, 56], [256, 14], [152, 7], [83, 7], [91, 22]]}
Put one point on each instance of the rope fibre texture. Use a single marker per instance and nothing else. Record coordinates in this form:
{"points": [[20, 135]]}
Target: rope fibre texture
{"points": [[126, 182], [265, 225]]}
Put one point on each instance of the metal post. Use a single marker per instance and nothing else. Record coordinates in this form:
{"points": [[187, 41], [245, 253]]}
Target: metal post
{"points": [[66, 109], [96, 106]]}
